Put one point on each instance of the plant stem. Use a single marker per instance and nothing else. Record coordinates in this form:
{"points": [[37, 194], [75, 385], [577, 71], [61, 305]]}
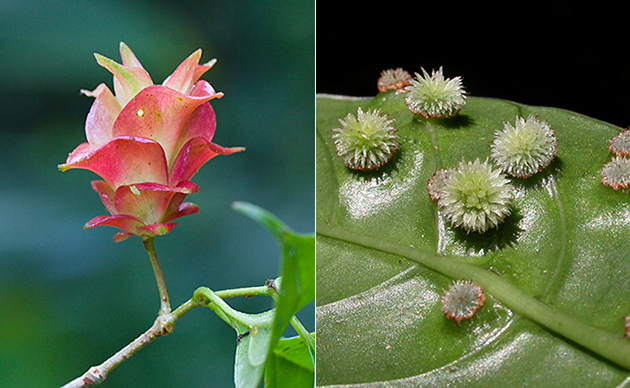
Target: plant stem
{"points": [[247, 292], [214, 301], [304, 334], [163, 325], [165, 304], [608, 345]]}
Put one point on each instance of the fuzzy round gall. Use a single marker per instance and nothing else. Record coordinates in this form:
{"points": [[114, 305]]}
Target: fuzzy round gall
{"points": [[367, 141], [620, 144], [393, 79], [462, 300], [433, 96], [616, 173], [476, 196], [525, 148]]}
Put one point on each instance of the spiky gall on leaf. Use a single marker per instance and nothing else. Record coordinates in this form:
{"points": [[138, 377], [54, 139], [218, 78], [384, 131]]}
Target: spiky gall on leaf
{"points": [[462, 300], [437, 183], [433, 96], [367, 141], [616, 173], [393, 79], [476, 196], [525, 148], [620, 144]]}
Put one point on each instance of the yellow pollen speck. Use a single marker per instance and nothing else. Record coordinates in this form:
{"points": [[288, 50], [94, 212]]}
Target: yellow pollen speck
{"points": [[134, 190], [254, 331], [140, 113]]}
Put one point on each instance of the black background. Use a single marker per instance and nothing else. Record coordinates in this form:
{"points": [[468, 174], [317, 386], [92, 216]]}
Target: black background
{"points": [[556, 54]]}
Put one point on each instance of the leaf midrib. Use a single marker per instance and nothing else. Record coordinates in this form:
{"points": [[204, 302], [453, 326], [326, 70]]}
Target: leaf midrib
{"points": [[599, 341]]}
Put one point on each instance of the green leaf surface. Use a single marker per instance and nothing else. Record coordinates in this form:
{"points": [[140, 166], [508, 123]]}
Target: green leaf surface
{"points": [[297, 267], [296, 288], [251, 352], [290, 365], [254, 332], [555, 273]]}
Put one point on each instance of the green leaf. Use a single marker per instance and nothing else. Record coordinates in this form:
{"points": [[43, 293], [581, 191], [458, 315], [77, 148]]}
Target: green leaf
{"points": [[290, 365], [254, 333], [259, 334], [297, 270], [251, 353], [556, 273]]}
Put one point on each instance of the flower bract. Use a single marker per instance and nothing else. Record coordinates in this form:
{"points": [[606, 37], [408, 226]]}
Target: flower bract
{"points": [[525, 148], [433, 96], [476, 196], [462, 300], [616, 173], [367, 141], [146, 142]]}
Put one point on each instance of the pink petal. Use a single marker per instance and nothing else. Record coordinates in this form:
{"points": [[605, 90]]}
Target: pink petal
{"points": [[175, 206], [128, 80], [125, 222], [182, 78], [203, 88], [94, 93], [130, 226], [201, 69], [103, 113], [202, 122], [123, 161], [161, 114], [184, 209], [149, 202], [82, 151], [121, 236], [195, 154], [157, 229], [128, 57], [107, 195]]}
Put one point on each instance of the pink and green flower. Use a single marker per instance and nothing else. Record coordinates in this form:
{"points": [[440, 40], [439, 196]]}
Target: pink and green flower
{"points": [[146, 142]]}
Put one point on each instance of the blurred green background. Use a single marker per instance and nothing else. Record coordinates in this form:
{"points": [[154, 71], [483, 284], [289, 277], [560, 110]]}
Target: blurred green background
{"points": [[70, 298]]}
